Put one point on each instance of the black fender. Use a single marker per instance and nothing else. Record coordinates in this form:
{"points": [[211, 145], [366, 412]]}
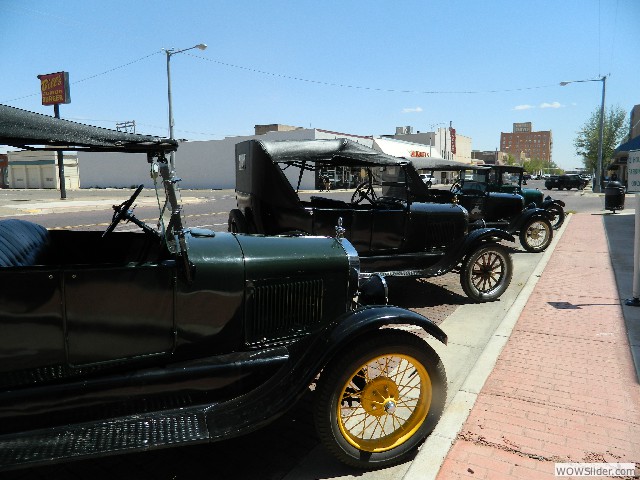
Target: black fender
{"points": [[370, 318], [548, 201], [526, 215], [307, 358], [466, 246]]}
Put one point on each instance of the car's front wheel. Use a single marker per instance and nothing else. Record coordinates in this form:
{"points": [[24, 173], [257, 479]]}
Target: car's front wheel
{"points": [[379, 400], [486, 273], [556, 214], [536, 235]]}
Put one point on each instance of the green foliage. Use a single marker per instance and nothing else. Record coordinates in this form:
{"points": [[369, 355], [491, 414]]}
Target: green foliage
{"points": [[534, 165], [586, 142]]}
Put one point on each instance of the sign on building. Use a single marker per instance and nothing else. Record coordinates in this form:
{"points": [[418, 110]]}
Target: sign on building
{"points": [[633, 171]]}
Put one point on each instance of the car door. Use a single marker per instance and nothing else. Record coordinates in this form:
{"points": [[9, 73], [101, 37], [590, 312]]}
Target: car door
{"points": [[31, 321], [116, 312], [474, 199], [388, 222]]}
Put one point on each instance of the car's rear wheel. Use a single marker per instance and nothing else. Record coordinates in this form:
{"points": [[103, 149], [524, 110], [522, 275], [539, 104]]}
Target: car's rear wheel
{"points": [[486, 273], [556, 214], [379, 400], [237, 223], [536, 235]]}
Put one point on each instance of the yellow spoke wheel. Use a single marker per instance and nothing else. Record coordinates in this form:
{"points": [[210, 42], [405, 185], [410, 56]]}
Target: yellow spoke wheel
{"points": [[391, 405], [381, 399]]}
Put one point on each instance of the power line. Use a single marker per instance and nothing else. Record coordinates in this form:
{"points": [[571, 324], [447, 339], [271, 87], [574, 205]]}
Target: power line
{"points": [[361, 87]]}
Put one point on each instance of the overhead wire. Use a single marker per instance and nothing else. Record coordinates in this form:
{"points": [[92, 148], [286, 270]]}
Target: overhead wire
{"points": [[362, 87]]}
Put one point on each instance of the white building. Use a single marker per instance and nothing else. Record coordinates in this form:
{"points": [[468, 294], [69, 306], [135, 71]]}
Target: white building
{"points": [[206, 164], [29, 169], [209, 164]]}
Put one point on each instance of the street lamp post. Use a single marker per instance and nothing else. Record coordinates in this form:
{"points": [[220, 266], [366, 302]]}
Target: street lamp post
{"points": [[599, 173], [170, 52]]}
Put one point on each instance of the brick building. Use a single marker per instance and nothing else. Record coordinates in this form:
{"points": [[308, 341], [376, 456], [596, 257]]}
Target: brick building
{"points": [[523, 140]]}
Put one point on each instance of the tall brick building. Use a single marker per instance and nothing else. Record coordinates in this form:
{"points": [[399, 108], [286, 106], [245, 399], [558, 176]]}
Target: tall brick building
{"points": [[534, 145]]}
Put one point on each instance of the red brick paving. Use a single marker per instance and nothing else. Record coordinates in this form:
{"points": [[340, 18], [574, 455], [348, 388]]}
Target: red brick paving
{"points": [[564, 388]]}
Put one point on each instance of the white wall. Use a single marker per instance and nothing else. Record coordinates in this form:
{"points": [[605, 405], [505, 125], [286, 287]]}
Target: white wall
{"points": [[34, 169], [207, 164]]}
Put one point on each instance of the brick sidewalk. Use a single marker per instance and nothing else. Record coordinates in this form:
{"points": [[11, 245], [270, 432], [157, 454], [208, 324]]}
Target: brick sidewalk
{"points": [[564, 388]]}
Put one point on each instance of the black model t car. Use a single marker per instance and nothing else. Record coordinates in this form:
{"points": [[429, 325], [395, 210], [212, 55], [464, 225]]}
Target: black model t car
{"points": [[384, 213], [475, 189], [509, 179], [112, 342], [567, 181]]}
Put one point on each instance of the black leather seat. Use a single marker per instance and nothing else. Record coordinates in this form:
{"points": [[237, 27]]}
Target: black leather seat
{"points": [[22, 243]]}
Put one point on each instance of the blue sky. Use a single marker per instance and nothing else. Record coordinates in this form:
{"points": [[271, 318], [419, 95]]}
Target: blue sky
{"points": [[356, 67]]}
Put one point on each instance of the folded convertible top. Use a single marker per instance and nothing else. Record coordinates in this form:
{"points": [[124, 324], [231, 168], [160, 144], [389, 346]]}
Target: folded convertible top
{"points": [[34, 131]]}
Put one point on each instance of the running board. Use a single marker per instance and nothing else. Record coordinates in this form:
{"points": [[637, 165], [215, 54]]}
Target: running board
{"points": [[116, 435]]}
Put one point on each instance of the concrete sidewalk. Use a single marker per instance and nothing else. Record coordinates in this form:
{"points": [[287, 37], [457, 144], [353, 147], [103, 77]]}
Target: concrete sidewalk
{"points": [[564, 388]]}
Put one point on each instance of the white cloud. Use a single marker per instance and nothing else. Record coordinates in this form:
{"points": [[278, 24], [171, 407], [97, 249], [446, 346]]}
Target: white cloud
{"points": [[412, 110], [523, 107], [551, 105]]}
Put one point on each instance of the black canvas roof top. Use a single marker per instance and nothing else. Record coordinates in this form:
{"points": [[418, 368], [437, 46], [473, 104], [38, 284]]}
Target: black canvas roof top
{"points": [[34, 131], [340, 151]]}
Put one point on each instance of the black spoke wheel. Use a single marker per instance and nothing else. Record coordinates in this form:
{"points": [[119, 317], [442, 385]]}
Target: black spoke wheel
{"points": [[536, 235], [556, 216], [486, 273], [376, 402]]}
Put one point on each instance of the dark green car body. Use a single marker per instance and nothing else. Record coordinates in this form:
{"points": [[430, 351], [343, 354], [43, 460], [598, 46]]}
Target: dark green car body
{"points": [[113, 342], [509, 179]]}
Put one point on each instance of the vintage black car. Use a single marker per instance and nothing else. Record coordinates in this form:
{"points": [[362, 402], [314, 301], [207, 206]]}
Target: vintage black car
{"points": [[510, 179], [567, 181], [112, 342], [396, 232], [476, 190]]}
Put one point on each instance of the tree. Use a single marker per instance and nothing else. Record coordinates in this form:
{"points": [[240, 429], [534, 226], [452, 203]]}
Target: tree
{"points": [[586, 142]]}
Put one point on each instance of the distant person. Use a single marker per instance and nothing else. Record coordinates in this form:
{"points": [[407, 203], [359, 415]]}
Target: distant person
{"points": [[614, 177], [326, 182]]}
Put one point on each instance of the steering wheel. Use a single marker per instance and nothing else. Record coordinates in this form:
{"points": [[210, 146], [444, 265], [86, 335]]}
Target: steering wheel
{"points": [[456, 185], [364, 190], [120, 211]]}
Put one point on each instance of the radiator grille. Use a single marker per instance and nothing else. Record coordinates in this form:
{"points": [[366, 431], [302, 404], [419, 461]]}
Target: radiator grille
{"points": [[283, 309], [441, 233]]}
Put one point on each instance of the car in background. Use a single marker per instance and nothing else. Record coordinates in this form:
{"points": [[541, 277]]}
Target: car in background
{"points": [[164, 335], [428, 179], [510, 179], [390, 218], [566, 181]]}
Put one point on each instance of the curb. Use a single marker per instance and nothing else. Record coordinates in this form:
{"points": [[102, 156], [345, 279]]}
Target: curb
{"points": [[433, 452]]}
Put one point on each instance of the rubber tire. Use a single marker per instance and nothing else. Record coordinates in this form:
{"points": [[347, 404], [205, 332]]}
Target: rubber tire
{"points": [[467, 269], [524, 239], [345, 365], [237, 223], [558, 212]]}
